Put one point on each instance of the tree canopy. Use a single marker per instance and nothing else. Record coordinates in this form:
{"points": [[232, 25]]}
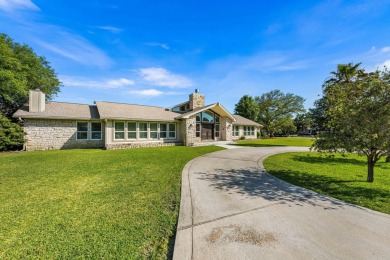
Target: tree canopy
{"points": [[20, 71], [247, 107], [277, 109], [358, 114]]}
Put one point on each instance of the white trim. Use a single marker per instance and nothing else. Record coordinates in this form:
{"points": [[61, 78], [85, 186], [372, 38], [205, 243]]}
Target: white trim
{"points": [[91, 131], [77, 131], [124, 130]]}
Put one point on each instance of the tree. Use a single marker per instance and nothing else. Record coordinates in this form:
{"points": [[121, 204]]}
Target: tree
{"points": [[303, 121], [276, 108], [20, 71], [359, 115], [247, 107], [319, 114]]}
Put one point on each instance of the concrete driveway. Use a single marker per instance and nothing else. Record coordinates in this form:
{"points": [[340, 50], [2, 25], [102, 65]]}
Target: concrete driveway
{"points": [[232, 209]]}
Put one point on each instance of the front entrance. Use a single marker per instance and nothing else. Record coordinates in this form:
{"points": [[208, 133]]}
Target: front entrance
{"points": [[207, 132]]}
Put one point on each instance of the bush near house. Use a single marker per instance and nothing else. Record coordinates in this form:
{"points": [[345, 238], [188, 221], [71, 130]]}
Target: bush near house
{"points": [[91, 203]]}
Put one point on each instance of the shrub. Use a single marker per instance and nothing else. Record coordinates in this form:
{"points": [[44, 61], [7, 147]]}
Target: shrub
{"points": [[242, 137], [11, 135]]}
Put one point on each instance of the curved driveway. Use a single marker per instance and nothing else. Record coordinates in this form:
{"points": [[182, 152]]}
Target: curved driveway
{"points": [[232, 209]]}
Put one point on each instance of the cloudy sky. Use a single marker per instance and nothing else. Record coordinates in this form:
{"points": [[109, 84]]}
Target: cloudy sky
{"points": [[158, 52]]}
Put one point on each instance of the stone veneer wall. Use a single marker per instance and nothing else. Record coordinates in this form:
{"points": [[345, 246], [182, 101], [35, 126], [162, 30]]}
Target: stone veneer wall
{"points": [[47, 134], [189, 132], [196, 100], [226, 129]]}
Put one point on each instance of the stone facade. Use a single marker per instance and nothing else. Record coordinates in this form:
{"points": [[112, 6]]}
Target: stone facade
{"points": [[226, 129], [189, 131], [47, 134], [196, 100]]}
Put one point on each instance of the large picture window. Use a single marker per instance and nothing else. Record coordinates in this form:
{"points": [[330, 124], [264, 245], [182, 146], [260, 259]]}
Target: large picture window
{"points": [[172, 131], [89, 130], [153, 130]]}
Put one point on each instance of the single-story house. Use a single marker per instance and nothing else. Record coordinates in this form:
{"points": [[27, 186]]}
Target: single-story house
{"points": [[59, 125]]}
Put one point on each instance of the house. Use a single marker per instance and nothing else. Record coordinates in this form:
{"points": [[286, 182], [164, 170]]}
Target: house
{"points": [[58, 125]]}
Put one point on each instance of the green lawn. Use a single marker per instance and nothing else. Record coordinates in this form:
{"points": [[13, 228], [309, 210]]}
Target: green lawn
{"points": [[340, 177], [278, 141], [91, 203]]}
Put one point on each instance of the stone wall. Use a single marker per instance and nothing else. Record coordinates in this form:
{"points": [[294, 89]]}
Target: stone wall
{"points": [[46, 134], [196, 100], [226, 129], [115, 146], [189, 130]]}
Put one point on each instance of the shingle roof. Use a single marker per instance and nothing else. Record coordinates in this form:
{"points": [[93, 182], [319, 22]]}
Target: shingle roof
{"points": [[111, 110], [240, 120], [61, 110]]}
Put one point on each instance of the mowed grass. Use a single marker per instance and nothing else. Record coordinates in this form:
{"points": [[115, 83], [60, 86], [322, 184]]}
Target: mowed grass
{"points": [[278, 141], [340, 177], [91, 203]]}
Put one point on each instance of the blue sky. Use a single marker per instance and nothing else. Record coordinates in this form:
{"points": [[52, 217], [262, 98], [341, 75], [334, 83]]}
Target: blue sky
{"points": [[158, 52]]}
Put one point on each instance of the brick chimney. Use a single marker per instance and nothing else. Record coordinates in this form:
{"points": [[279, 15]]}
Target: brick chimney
{"points": [[196, 99], [36, 103]]}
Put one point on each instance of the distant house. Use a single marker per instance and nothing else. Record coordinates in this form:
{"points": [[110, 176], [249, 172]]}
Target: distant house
{"points": [[57, 125]]}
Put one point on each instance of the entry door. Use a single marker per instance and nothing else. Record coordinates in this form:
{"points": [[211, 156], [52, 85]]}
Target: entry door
{"points": [[207, 132]]}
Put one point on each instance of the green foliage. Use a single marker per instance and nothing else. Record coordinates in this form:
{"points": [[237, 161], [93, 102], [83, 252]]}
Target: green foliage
{"points": [[242, 137], [90, 203], [20, 71], [247, 108], [358, 113], [342, 177], [276, 110], [302, 122], [319, 114], [278, 141], [11, 135]]}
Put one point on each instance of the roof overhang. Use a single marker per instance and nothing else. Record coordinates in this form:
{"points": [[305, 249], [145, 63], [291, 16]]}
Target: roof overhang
{"points": [[217, 108]]}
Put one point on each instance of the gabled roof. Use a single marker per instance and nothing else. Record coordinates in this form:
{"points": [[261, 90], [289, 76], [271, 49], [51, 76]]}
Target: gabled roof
{"points": [[112, 110], [240, 120], [217, 107], [60, 110]]}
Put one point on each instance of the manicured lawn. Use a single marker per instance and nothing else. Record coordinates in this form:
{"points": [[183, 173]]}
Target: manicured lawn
{"points": [[340, 177], [278, 141], [91, 203]]}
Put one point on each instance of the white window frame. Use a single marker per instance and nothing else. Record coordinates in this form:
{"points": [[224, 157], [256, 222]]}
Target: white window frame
{"points": [[219, 131], [166, 131], [132, 131], [236, 130], [169, 131], [157, 131], [124, 130], [147, 131]]}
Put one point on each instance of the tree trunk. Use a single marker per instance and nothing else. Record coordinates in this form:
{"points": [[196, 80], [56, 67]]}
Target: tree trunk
{"points": [[371, 164]]}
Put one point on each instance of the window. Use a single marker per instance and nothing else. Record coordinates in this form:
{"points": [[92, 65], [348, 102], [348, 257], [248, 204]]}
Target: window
{"points": [[216, 119], [207, 117], [163, 131], [217, 130], [143, 130], [131, 130], [236, 130], [172, 131], [197, 130], [82, 131], [153, 130], [176, 109], [198, 117], [182, 108], [252, 130], [96, 131], [119, 130]]}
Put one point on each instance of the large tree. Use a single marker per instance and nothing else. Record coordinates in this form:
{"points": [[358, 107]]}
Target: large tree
{"points": [[276, 108], [20, 71], [358, 113], [247, 107]]}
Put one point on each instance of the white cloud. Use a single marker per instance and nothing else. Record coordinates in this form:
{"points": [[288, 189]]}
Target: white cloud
{"points": [[76, 48], [162, 77], [110, 29], [385, 49], [157, 44], [10, 5], [151, 92], [69, 81]]}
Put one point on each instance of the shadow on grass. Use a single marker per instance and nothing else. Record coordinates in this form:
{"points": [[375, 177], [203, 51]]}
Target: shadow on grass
{"points": [[251, 183], [258, 145]]}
